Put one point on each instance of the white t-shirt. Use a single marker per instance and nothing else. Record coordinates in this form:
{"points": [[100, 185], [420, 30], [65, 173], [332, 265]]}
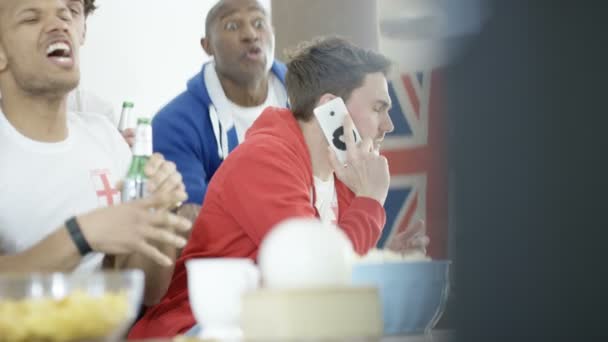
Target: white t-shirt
{"points": [[326, 200], [82, 101], [245, 116], [241, 117], [44, 184]]}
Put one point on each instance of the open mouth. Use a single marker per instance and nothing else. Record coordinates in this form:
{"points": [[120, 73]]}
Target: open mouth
{"points": [[254, 53], [60, 53]]}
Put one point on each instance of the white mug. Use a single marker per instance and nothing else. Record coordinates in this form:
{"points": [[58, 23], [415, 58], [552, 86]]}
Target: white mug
{"points": [[215, 288]]}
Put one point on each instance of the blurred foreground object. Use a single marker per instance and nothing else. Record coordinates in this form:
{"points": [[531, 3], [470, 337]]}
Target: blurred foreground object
{"points": [[427, 34], [215, 288], [330, 313], [306, 270], [413, 289], [304, 253], [61, 307], [421, 36], [527, 106]]}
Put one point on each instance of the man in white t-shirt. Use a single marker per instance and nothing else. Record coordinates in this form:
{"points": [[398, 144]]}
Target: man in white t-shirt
{"points": [[59, 207]]}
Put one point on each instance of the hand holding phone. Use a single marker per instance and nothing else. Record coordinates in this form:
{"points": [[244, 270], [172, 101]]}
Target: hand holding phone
{"points": [[331, 117], [361, 168]]}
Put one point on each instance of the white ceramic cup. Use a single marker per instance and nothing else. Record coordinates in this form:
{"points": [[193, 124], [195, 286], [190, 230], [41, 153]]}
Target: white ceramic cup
{"points": [[215, 288]]}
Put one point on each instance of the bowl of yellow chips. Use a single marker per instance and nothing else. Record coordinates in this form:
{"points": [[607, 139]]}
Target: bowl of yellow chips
{"points": [[61, 307]]}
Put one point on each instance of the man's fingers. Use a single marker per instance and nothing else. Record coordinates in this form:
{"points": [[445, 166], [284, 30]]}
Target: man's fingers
{"points": [[154, 163], [168, 220], [173, 199], [419, 226], [128, 133], [366, 145], [163, 174], [153, 253], [335, 163], [415, 231], [172, 182], [153, 201], [349, 138], [180, 196], [162, 200], [404, 236], [164, 237], [421, 241], [129, 136]]}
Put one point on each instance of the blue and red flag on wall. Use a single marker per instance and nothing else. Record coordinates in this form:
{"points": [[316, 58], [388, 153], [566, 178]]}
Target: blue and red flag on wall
{"points": [[416, 151]]}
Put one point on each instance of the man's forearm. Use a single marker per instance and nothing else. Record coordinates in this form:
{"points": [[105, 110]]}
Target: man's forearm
{"points": [[363, 222], [56, 253], [157, 277]]}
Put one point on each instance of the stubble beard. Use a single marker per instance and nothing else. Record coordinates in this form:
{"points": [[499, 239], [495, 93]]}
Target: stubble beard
{"points": [[45, 86]]}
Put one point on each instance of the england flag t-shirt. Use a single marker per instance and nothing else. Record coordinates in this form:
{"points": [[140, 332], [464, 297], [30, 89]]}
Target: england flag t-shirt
{"points": [[44, 184]]}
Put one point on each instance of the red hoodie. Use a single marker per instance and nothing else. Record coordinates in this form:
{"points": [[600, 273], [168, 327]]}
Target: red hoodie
{"points": [[265, 180]]}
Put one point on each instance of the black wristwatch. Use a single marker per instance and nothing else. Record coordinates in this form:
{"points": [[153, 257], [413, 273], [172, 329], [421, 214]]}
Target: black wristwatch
{"points": [[76, 234]]}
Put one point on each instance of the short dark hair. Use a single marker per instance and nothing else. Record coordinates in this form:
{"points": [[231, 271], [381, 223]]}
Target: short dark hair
{"points": [[328, 65], [89, 7]]}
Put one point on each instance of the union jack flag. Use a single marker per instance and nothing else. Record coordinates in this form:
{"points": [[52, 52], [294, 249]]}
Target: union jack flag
{"points": [[416, 152]]}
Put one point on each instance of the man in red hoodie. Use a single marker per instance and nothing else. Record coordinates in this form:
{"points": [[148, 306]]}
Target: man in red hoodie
{"points": [[285, 169]]}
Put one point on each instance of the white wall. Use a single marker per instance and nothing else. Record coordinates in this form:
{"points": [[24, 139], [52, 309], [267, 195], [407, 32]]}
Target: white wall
{"points": [[144, 50]]}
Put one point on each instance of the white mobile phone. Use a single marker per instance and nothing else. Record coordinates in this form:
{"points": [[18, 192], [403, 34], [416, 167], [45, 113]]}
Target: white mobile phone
{"points": [[331, 118]]}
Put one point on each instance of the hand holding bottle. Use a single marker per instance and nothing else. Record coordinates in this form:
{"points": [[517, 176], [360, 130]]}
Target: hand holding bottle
{"points": [[164, 179], [129, 135], [134, 228], [151, 173]]}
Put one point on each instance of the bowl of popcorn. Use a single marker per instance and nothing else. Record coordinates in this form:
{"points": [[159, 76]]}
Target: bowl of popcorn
{"points": [[413, 288], [69, 307]]}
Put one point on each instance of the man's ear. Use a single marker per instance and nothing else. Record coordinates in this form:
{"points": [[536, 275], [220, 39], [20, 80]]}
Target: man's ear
{"points": [[206, 45], [325, 98]]}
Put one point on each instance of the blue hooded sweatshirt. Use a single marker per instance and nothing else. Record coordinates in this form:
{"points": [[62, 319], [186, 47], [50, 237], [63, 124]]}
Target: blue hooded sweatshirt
{"points": [[189, 132]]}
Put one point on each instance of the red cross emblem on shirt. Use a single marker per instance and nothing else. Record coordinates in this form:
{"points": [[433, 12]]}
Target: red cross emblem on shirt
{"points": [[105, 191]]}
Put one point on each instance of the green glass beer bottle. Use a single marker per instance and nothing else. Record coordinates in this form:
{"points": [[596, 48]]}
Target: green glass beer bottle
{"points": [[135, 183], [125, 115]]}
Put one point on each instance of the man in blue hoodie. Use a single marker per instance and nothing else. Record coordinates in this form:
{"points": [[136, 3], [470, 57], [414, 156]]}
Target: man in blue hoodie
{"points": [[198, 128]]}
